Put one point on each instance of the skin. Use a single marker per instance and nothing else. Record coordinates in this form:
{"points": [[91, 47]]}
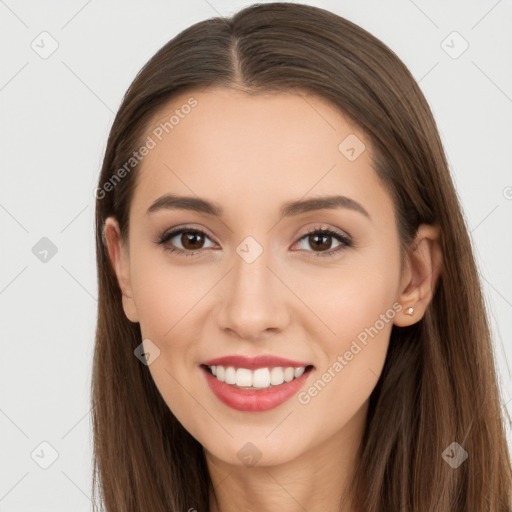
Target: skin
{"points": [[250, 154]]}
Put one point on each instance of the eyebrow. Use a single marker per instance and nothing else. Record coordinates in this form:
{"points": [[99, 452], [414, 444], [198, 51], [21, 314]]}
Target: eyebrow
{"points": [[289, 209]]}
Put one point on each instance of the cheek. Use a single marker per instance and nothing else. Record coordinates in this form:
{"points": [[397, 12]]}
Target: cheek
{"points": [[164, 292], [350, 297], [355, 305], [167, 296], [359, 309], [352, 358]]}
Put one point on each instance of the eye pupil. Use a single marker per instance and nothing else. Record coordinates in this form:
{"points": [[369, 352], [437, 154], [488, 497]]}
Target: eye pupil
{"points": [[192, 237], [321, 245]]}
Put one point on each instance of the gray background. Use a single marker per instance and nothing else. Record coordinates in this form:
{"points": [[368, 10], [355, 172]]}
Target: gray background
{"points": [[55, 116]]}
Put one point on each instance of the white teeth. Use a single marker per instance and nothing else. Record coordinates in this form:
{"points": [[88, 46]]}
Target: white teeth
{"points": [[289, 374], [276, 376], [260, 378], [299, 371], [220, 373], [230, 375], [243, 377]]}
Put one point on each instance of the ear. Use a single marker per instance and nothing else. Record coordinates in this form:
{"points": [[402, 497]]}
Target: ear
{"points": [[420, 275], [119, 258]]}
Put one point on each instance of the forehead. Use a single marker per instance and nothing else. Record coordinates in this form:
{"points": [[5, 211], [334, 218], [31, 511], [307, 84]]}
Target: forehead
{"points": [[247, 150]]}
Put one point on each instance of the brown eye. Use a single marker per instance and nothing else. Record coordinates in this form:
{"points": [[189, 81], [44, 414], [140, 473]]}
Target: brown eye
{"points": [[192, 240], [320, 242]]}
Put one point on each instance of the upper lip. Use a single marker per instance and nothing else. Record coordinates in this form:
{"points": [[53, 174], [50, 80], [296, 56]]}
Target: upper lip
{"points": [[252, 363]]}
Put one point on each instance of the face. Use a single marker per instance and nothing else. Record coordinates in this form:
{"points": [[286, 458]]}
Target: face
{"points": [[316, 286]]}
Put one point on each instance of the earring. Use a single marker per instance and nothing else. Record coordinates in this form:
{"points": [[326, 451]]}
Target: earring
{"points": [[409, 311]]}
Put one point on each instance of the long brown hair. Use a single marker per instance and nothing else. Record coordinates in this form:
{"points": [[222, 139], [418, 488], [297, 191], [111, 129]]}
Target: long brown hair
{"points": [[438, 384]]}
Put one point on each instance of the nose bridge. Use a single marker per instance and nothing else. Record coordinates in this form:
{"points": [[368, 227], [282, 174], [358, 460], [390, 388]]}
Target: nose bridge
{"points": [[251, 272], [252, 299]]}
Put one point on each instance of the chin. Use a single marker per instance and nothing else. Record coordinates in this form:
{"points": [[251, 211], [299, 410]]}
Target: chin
{"points": [[257, 450]]}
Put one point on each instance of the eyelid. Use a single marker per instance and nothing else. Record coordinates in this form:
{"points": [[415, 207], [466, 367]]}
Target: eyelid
{"points": [[327, 229], [176, 230]]}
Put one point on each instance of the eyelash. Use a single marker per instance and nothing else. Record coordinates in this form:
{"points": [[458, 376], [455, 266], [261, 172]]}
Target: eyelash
{"points": [[345, 241]]}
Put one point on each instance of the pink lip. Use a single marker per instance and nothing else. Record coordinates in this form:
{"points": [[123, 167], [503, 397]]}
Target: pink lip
{"points": [[252, 399], [253, 363]]}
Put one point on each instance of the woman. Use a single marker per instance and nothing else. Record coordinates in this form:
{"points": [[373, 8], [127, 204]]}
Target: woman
{"points": [[290, 316]]}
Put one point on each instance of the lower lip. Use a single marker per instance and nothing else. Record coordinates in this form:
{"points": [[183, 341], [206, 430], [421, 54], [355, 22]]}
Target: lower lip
{"points": [[252, 399]]}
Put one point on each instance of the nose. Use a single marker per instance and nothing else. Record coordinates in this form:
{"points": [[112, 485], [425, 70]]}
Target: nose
{"points": [[254, 301]]}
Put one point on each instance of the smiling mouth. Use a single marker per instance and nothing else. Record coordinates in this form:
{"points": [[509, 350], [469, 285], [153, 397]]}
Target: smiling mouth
{"points": [[258, 379]]}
